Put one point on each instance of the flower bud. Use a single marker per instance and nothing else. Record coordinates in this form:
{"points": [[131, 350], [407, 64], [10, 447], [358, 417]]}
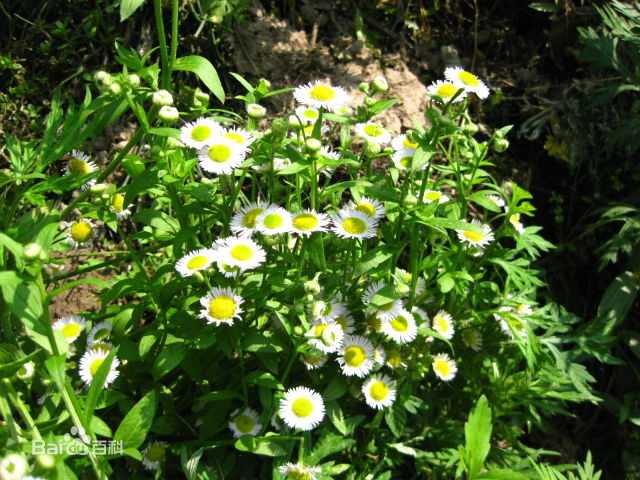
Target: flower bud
{"points": [[168, 114], [294, 122], [471, 128], [313, 286], [46, 461], [115, 88], [174, 143], [13, 465], [264, 84], [380, 84], [256, 111], [133, 80], [369, 101], [162, 98], [99, 187], [345, 111], [364, 87], [500, 144], [103, 78], [279, 127], [200, 98], [373, 148], [313, 145], [32, 251]]}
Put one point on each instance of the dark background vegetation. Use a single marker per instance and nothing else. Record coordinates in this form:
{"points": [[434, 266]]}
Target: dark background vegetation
{"points": [[574, 145]]}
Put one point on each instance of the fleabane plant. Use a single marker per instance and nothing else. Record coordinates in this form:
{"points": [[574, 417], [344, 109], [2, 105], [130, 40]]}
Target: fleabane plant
{"points": [[303, 295]]}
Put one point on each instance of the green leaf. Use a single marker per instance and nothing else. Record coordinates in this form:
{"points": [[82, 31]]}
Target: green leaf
{"points": [[204, 70], [170, 357], [96, 385], [371, 260], [133, 429], [502, 474], [267, 446], [616, 302], [264, 379], [328, 445], [477, 433], [127, 7]]}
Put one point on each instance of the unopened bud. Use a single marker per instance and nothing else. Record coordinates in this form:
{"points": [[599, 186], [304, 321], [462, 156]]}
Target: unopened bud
{"points": [[380, 84], [162, 98], [104, 78], [313, 145], [264, 83], [168, 114], [500, 145], [373, 148], [46, 461], [115, 88], [133, 80], [364, 87], [294, 122], [32, 251], [256, 111]]}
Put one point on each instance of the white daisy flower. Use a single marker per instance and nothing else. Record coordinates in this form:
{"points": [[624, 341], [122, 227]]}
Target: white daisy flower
{"points": [[345, 320], [195, 261], [511, 325], [99, 333], [356, 356], [467, 80], [13, 467], [153, 455], [302, 408], [431, 196], [499, 201], [80, 232], [329, 154], [476, 239], [117, 206], [244, 222], [80, 164], [273, 221], [200, 133], [243, 138], [403, 142], [298, 471], [240, 252], [245, 422], [307, 222], [314, 360], [443, 324], [370, 207], [71, 327], [446, 91], [326, 336], [307, 114], [221, 156], [401, 328], [90, 363], [472, 338], [383, 312], [379, 391], [350, 223], [515, 221], [402, 158], [524, 309], [444, 367], [321, 95], [221, 306], [373, 133]]}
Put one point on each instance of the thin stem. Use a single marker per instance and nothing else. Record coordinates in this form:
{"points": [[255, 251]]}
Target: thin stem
{"points": [[164, 57], [12, 426], [22, 410], [175, 10]]}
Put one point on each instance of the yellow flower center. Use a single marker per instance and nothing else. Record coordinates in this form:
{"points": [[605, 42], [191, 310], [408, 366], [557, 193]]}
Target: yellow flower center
{"points": [[81, 231], [354, 355], [473, 236], [222, 307], [235, 137], [468, 78], [273, 221], [366, 208], [319, 329], [440, 324], [446, 90], [379, 391], [394, 359], [245, 423], [405, 162], [241, 252], [71, 330], [95, 366], [433, 196], [373, 130], [407, 143], [305, 221], [400, 324], [197, 262], [117, 202], [155, 452], [302, 407], [322, 93], [219, 153], [79, 167], [249, 219], [354, 226], [442, 367], [310, 114], [201, 133]]}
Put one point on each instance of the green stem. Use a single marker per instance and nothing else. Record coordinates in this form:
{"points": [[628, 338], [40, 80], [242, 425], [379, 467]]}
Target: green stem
{"points": [[12, 426], [164, 57], [175, 10], [22, 410]]}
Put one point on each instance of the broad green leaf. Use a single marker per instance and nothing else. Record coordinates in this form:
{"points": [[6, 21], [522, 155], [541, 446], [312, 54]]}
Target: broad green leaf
{"points": [[477, 433], [264, 379], [127, 7], [204, 70], [616, 302], [136, 424], [97, 385], [170, 357], [269, 446]]}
